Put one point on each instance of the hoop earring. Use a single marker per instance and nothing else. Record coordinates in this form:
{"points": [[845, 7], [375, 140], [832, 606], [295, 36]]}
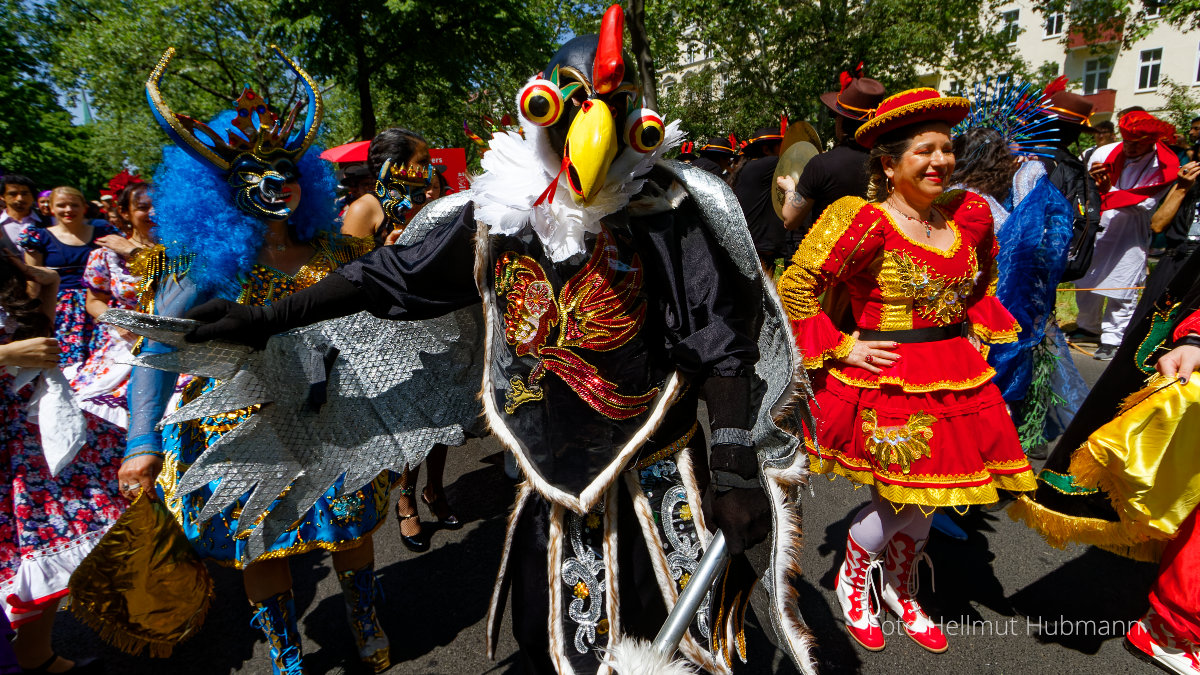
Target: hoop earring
{"points": [[890, 187]]}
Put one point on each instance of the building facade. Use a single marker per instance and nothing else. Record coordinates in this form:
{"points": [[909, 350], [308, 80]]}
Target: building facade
{"points": [[1112, 77]]}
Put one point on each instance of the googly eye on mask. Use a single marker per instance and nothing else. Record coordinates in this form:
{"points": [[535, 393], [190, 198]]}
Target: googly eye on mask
{"points": [[541, 102]]}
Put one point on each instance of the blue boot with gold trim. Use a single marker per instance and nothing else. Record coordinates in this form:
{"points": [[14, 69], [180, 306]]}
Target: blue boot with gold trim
{"points": [[276, 618], [361, 590]]}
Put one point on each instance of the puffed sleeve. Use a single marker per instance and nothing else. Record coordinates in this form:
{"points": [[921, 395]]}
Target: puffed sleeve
{"points": [[96, 275], [844, 241], [33, 239], [1189, 325], [989, 320]]}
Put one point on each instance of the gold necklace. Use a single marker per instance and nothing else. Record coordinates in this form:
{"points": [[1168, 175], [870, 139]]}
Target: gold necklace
{"points": [[927, 223]]}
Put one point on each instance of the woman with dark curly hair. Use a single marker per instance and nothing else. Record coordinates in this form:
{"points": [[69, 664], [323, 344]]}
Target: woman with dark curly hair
{"points": [[1035, 374], [49, 522]]}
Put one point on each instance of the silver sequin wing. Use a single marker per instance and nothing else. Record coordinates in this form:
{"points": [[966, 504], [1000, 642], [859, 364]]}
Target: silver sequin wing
{"points": [[394, 390]]}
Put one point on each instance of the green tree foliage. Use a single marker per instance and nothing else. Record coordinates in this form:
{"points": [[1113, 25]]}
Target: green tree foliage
{"points": [[109, 47], [1181, 106], [36, 135], [778, 56], [416, 64]]}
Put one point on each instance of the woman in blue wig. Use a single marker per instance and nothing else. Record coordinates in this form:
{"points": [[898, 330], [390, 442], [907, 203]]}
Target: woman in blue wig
{"points": [[245, 212], [1039, 381]]}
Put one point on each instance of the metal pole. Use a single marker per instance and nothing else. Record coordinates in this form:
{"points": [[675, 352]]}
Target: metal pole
{"points": [[689, 601]]}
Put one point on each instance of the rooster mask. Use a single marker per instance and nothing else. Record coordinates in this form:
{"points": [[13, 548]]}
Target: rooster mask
{"points": [[589, 100]]}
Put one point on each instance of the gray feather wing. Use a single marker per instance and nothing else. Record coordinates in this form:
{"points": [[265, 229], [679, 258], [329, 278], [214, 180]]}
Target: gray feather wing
{"points": [[394, 390]]}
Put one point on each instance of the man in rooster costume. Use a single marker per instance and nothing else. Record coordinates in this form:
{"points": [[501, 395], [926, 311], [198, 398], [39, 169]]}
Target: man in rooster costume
{"points": [[619, 290]]}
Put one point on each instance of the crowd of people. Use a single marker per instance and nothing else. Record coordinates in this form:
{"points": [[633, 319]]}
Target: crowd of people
{"points": [[898, 296]]}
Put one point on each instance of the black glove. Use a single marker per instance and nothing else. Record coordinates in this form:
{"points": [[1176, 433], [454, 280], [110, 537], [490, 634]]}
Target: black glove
{"points": [[743, 514], [330, 298], [735, 501], [231, 322]]}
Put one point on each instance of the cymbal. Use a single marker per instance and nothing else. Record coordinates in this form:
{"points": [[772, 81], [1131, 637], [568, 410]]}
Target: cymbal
{"points": [[791, 163], [800, 131]]}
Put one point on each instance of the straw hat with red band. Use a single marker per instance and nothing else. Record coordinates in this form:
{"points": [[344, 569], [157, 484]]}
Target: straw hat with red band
{"points": [[914, 106]]}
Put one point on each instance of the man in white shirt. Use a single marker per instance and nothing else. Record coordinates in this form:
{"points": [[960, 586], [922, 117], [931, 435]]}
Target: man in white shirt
{"points": [[1132, 176], [18, 193]]}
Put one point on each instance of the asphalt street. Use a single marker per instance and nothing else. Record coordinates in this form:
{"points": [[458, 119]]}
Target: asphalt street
{"points": [[1008, 602]]}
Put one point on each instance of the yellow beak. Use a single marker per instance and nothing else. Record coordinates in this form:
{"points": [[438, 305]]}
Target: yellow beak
{"points": [[590, 150]]}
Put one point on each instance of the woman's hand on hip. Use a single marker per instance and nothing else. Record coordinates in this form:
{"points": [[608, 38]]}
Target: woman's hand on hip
{"points": [[871, 355]]}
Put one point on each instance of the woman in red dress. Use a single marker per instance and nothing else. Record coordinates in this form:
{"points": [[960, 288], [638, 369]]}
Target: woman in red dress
{"points": [[904, 395]]}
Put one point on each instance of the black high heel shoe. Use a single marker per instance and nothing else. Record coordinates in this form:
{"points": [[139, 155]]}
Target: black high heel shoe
{"points": [[419, 542], [438, 506]]}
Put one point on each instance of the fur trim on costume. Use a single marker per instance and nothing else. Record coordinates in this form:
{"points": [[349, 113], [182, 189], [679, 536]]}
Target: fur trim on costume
{"points": [[554, 542], [782, 488], [691, 649], [500, 590], [517, 170], [612, 600], [631, 656], [594, 492]]}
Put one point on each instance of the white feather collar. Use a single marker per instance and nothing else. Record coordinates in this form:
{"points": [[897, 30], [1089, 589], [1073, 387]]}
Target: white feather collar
{"points": [[517, 171]]}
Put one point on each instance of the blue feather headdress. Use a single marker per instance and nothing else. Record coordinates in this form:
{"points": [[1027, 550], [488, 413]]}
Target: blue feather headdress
{"points": [[1017, 110]]}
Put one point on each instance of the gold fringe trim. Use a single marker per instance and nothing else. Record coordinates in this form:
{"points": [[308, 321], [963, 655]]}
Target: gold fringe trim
{"points": [[942, 385], [126, 641], [1059, 529], [837, 353], [996, 337], [1090, 473], [930, 497]]}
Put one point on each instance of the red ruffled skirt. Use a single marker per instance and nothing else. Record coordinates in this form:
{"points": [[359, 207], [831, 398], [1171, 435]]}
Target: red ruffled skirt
{"points": [[945, 447]]}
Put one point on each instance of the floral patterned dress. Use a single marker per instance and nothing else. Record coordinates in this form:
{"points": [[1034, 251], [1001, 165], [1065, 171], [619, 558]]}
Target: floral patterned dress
{"points": [[73, 326], [100, 381], [48, 524]]}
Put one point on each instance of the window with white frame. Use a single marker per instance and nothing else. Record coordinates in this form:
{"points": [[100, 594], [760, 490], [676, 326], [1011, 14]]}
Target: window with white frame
{"points": [[1095, 74], [1152, 8], [956, 88], [1149, 68], [1010, 25], [1054, 24]]}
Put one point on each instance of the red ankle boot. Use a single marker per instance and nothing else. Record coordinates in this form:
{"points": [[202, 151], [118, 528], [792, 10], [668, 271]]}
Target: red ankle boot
{"points": [[854, 593], [900, 591]]}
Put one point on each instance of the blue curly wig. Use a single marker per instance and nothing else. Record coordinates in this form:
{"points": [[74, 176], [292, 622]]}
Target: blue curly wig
{"points": [[194, 213]]}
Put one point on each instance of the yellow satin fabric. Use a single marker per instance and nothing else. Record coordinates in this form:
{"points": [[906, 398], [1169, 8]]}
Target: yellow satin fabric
{"points": [[1148, 458], [143, 586]]}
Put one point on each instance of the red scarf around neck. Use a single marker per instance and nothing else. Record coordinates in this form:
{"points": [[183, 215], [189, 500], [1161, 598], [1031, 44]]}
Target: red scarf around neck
{"points": [[1168, 164]]}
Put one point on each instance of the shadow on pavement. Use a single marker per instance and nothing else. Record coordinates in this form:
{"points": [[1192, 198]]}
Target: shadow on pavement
{"points": [[1098, 587]]}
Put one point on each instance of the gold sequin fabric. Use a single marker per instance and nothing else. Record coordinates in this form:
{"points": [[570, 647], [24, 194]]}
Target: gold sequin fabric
{"points": [[901, 444]]}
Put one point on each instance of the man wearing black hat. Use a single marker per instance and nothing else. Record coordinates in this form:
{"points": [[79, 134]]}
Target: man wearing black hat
{"points": [[841, 172], [1070, 114], [752, 184], [716, 157]]}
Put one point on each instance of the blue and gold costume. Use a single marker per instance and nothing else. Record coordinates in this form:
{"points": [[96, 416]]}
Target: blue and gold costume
{"points": [[334, 524], [214, 195]]}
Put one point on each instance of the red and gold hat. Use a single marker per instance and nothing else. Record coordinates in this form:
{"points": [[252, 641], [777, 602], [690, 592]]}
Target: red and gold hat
{"points": [[1141, 124], [911, 107]]}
